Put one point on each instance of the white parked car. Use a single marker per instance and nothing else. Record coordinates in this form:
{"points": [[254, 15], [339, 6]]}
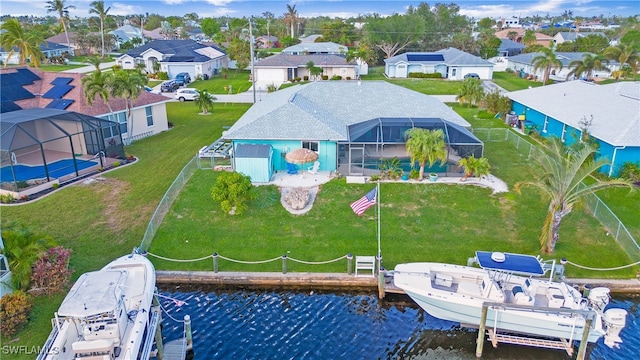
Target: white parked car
{"points": [[186, 94]]}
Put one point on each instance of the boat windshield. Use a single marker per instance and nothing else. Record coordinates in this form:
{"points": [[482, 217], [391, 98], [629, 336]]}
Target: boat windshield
{"points": [[511, 263]]}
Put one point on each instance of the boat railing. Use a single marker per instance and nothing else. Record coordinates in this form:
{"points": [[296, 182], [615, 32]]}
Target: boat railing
{"points": [[46, 349]]}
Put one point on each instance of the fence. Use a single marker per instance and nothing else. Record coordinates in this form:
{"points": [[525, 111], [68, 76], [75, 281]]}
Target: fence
{"points": [[598, 208], [166, 202]]}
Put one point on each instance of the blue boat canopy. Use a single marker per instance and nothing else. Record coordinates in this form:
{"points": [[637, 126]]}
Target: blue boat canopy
{"points": [[513, 263]]}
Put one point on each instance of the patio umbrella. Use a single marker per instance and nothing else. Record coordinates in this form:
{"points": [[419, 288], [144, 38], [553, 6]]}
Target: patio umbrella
{"points": [[301, 156]]}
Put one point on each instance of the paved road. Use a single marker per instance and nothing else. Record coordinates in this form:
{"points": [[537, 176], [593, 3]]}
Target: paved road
{"points": [[89, 68]]}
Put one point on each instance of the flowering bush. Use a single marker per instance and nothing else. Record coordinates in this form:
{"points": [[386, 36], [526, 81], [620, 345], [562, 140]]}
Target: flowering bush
{"points": [[51, 273], [14, 312]]}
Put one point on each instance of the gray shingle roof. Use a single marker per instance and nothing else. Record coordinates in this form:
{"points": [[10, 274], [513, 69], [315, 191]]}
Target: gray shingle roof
{"points": [[615, 107], [280, 60], [316, 47], [323, 110], [183, 50], [451, 57]]}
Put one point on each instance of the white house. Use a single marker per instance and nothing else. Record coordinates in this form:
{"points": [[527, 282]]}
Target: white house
{"points": [[524, 63], [175, 56], [451, 63]]}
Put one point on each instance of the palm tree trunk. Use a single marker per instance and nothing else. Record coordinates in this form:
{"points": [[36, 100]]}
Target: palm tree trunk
{"points": [[102, 34], [66, 34]]}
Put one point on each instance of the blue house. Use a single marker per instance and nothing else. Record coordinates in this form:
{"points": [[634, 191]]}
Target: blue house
{"points": [[353, 126], [561, 110]]}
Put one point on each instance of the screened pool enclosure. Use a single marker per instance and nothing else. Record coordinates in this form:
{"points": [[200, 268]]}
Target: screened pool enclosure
{"points": [[373, 141], [43, 145]]}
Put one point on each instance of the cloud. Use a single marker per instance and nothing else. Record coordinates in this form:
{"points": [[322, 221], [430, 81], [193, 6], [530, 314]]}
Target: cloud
{"points": [[124, 9]]}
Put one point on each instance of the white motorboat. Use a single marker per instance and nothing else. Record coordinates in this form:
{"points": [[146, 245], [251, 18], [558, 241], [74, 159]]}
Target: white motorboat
{"points": [[518, 300], [107, 314]]}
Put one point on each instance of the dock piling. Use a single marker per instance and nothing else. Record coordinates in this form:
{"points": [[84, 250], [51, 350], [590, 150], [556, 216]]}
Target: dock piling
{"points": [[583, 342], [349, 263], [481, 330], [215, 262]]}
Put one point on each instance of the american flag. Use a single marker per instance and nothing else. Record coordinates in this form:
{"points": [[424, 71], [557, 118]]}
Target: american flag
{"points": [[365, 202]]}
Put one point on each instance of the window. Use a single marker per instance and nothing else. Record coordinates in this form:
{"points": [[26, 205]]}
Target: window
{"points": [[453, 72], [311, 145], [149, 116]]}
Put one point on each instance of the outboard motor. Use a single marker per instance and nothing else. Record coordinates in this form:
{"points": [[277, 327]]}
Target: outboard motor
{"points": [[614, 321], [599, 298]]}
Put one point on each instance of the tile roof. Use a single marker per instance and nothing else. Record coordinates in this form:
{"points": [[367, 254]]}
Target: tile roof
{"points": [[323, 110], [615, 107], [98, 108]]}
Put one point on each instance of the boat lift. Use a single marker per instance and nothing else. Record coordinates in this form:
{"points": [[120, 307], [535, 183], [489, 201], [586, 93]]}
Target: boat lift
{"points": [[561, 344]]}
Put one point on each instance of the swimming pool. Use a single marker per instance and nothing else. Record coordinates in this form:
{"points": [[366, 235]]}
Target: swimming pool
{"points": [[405, 165], [57, 169]]}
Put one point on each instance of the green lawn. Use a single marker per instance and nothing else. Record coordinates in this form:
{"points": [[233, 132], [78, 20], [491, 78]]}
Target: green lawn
{"points": [[511, 82], [239, 81], [425, 86]]}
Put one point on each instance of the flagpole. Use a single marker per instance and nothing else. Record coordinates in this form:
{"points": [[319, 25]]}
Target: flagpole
{"points": [[378, 191]]}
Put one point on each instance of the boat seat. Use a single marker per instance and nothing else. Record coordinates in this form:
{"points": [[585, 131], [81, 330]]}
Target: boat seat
{"points": [[443, 280], [93, 349], [555, 297], [520, 297]]}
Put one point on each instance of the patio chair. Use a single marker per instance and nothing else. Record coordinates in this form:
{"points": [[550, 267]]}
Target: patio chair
{"points": [[314, 169], [292, 169]]}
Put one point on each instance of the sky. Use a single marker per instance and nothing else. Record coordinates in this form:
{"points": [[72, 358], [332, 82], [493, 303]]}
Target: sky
{"points": [[330, 8]]}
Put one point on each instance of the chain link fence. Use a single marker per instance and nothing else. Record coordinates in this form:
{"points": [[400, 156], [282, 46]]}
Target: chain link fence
{"points": [[596, 206], [166, 202]]}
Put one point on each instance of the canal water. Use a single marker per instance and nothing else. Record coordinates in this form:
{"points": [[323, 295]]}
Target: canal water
{"points": [[283, 324]]}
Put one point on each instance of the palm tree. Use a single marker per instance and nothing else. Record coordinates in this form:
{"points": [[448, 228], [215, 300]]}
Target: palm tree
{"points": [[474, 166], [529, 37], [561, 180], [95, 84], [204, 101], [546, 60], [471, 91], [624, 54], [97, 7], [291, 17], [588, 65], [127, 85], [426, 147], [59, 7], [13, 38], [95, 61], [22, 248]]}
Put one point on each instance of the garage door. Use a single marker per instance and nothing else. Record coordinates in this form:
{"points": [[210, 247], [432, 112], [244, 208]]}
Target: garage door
{"points": [[174, 70]]}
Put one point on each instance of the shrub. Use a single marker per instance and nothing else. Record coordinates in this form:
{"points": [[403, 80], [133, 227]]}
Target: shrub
{"points": [[374, 178], [630, 171], [509, 70], [298, 79], [116, 163], [336, 77], [55, 185], [414, 174], [325, 77], [7, 198], [163, 75], [348, 77], [436, 75], [51, 273], [305, 78], [495, 102], [233, 190], [14, 312]]}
